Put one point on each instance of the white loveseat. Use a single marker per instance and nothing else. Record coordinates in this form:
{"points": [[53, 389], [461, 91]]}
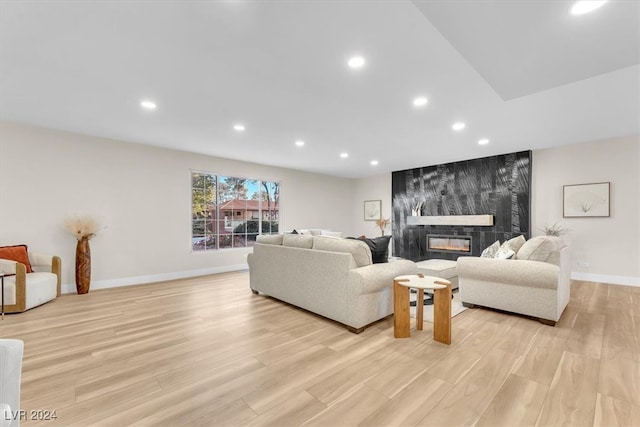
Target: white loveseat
{"points": [[536, 283], [332, 277]]}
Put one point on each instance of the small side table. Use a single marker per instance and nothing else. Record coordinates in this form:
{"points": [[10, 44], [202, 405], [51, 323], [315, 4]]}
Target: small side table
{"points": [[441, 306]]}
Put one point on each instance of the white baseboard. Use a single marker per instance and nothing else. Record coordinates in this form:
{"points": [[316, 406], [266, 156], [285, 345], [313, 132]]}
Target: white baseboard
{"points": [[70, 288], [604, 278]]}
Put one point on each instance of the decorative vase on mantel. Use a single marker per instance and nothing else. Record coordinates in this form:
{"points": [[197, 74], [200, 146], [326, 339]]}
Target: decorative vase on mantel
{"points": [[83, 265]]}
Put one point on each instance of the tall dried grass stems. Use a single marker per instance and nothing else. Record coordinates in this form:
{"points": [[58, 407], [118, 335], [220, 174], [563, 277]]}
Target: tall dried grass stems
{"points": [[382, 223], [80, 227]]}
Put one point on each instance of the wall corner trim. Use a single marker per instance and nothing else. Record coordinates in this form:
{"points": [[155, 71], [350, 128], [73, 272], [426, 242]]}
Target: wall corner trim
{"points": [[70, 288], [604, 278]]}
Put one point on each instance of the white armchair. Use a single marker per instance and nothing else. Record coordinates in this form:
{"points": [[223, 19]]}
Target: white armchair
{"points": [[11, 352], [23, 290]]}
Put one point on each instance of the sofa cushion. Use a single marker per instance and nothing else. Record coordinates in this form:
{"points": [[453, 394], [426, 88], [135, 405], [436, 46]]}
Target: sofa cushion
{"points": [[270, 239], [514, 244], [358, 249], [297, 241], [490, 251], [379, 247], [540, 248], [16, 253]]}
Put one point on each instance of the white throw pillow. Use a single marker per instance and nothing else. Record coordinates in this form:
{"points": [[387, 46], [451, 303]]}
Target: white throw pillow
{"points": [[304, 232], [514, 244], [490, 252], [331, 233], [504, 253]]}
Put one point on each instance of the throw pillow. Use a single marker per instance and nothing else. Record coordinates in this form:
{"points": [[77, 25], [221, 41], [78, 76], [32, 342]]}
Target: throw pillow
{"points": [[490, 252], [331, 233], [16, 253], [504, 253], [294, 231], [514, 244], [379, 248], [304, 232], [539, 248]]}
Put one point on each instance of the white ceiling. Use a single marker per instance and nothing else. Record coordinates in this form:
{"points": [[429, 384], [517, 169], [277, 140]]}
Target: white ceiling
{"points": [[524, 74]]}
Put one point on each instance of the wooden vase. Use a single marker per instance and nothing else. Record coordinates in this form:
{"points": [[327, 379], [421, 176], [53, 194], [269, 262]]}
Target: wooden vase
{"points": [[83, 266]]}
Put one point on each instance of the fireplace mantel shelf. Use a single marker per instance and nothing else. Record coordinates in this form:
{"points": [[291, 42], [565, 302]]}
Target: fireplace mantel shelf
{"points": [[451, 220]]}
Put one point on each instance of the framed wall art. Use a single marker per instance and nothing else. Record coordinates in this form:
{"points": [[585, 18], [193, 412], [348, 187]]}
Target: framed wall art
{"points": [[372, 210], [586, 200]]}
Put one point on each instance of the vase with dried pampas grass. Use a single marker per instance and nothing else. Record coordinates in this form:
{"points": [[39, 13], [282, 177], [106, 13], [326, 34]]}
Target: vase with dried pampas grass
{"points": [[382, 223], [83, 229]]}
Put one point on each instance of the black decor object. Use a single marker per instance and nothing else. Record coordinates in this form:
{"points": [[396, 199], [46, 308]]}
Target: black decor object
{"points": [[497, 185], [379, 248]]}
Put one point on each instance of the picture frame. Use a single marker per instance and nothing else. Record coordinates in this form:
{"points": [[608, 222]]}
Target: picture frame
{"points": [[586, 200], [372, 210]]}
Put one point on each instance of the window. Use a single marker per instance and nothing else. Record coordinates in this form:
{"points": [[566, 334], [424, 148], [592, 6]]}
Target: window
{"points": [[229, 212]]}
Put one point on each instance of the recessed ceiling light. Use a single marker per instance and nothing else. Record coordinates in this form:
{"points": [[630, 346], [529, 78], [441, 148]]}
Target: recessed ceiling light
{"points": [[420, 101], [356, 62], [582, 7], [374, 163], [458, 126], [344, 155], [483, 141], [300, 143], [239, 127], [149, 105]]}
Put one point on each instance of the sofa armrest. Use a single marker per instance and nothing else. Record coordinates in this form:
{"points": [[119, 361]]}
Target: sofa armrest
{"points": [[511, 271], [42, 262], [373, 278], [20, 270], [8, 266]]}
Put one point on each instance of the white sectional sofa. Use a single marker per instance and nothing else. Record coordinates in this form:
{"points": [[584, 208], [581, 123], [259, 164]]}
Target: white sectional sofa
{"points": [[329, 276], [536, 283]]}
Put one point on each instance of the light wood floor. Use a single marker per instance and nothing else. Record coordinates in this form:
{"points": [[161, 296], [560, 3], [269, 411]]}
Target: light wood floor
{"points": [[205, 351]]}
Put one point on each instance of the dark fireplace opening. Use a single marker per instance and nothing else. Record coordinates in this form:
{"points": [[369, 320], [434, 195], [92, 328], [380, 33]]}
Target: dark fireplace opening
{"points": [[449, 244]]}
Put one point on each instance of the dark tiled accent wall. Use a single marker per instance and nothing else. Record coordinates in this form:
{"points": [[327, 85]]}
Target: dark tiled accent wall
{"points": [[497, 185]]}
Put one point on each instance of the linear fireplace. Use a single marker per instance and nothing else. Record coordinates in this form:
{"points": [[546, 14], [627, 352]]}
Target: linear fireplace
{"points": [[449, 244]]}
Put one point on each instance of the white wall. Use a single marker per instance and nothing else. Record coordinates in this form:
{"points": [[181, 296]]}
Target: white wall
{"points": [[610, 246], [142, 194], [372, 188]]}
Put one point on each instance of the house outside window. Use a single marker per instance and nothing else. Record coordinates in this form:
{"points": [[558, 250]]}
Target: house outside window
{"points": [[229, 212]]}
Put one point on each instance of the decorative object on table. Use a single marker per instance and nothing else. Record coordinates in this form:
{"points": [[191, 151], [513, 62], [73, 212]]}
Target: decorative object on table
{"points": [[556, 229], [383, 223], [83, 228], [372, 210], [417, 209], [586, 200]]}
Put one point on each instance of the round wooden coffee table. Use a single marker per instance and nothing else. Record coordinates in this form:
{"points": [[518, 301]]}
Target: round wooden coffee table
{"points": [[441, 305]]}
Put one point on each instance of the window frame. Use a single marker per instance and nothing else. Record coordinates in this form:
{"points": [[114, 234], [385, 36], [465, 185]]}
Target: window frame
{"points": [[218, 216]]}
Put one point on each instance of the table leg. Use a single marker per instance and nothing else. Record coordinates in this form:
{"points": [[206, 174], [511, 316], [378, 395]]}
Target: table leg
{"points": [[400, 311], [420, 309], [442, 314]]}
